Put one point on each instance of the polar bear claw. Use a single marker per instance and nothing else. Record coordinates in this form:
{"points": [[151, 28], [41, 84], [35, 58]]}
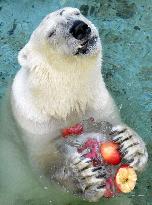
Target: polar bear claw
{"points": [[132, 146], [92, 180]]}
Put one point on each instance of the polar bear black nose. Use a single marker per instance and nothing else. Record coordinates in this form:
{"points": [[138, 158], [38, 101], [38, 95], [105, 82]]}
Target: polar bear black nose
{"points": [[80, 30]]}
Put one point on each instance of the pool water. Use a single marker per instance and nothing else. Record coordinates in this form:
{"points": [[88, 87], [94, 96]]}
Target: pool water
{"points": [[125, 29]]}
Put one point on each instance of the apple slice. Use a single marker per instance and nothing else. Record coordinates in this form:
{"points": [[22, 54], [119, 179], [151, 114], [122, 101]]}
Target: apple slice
{"points": [[125, 179]]}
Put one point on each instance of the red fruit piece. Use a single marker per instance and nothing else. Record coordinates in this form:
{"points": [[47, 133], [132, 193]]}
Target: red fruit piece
{"points": [[74, 130], [92, 147], [110, 153], [109, 192]]}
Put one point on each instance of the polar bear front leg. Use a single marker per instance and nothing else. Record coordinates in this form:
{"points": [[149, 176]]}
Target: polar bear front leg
{"points": [[132, 146], [91, 179]]}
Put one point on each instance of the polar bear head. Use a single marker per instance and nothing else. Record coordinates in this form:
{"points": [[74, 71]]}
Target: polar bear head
{"points": [[65, 33], [62, 62]]}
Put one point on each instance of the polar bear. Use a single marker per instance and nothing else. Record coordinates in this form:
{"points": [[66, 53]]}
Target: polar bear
{"points": [[59, 84]]}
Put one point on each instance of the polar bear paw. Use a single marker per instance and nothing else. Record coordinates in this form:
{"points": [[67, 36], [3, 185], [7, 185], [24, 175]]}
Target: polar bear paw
{"points": [[91, 179], [132, 147]]}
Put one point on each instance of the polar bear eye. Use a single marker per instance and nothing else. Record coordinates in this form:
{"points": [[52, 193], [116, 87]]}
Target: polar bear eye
{"points": [[61, 12], [51, 33], [77, 13]]}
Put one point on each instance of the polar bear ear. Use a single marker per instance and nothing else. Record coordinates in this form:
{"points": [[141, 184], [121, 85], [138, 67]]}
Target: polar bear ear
{"points": [[24, 56]]}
